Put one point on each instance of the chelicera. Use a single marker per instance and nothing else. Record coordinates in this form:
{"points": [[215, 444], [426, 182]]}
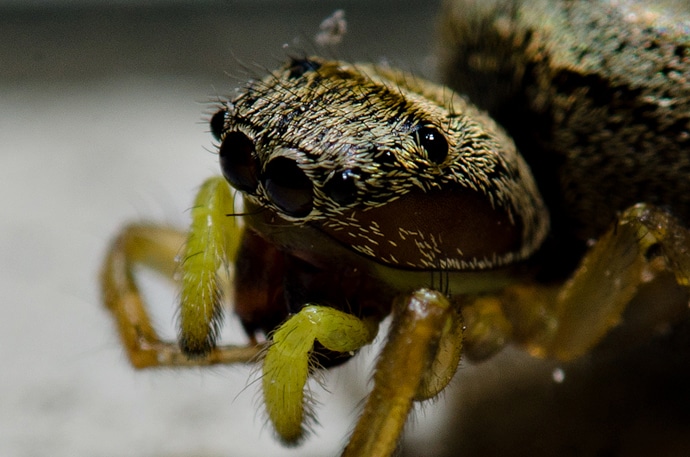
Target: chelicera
{"points": [[366, 192]]}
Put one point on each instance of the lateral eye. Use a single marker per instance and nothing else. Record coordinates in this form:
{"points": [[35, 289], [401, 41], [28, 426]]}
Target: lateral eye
{"points": [[238, 161], [218, 123], [342, 187], [434, 143], [299, 67], [288, 187]]}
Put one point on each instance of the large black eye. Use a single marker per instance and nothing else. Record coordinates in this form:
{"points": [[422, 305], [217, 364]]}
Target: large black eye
{"points": [[238, 161], [288, 187], [434, 143], [342, 187], [218, 123]]}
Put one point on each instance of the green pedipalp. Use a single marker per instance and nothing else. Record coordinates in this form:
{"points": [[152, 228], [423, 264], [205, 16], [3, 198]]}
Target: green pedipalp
{"points": [[207, 250], [286, 365]]}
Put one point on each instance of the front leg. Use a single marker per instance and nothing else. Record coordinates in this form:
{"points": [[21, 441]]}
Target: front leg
{"points": [[419, 359], [565, 322]]}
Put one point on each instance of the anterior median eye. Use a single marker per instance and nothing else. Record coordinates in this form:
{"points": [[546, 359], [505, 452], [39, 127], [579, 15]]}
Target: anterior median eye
{"points": [[434, 143], [238, 161], [288, 187]]}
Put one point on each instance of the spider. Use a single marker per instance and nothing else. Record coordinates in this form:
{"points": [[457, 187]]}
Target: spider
{"points": [[367, 192]]}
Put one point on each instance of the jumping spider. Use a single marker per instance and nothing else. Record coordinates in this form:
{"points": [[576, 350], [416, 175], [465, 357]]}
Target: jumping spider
{"points": [[367, 192]]}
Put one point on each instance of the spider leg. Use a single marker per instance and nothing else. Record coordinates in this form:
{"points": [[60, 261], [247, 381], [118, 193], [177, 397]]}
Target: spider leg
{"points": [[419, 359], [566, 321]]}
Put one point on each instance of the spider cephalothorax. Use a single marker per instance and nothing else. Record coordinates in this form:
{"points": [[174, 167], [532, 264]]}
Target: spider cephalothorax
{"points": [[364, 152]]}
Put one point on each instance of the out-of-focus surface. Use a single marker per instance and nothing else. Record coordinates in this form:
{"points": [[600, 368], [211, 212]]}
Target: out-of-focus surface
{"points": [[103, 115], [199, 41]]}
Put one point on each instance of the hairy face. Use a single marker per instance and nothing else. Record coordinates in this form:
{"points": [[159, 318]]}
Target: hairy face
{"points": [[402, 171]]}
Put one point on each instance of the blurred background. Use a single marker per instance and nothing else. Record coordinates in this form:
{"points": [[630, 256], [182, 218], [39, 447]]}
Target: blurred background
{"points": [[103, 121]]}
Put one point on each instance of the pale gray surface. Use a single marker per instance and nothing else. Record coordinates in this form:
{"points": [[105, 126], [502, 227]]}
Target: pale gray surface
{"points": [[100, 124]]}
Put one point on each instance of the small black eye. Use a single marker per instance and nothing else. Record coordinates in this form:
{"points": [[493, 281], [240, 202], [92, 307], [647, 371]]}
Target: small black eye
{"points": [[342, 187], [288, 187], [238, 161], [434, 143], [382, 157], [298, 67], [218, 123]]}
